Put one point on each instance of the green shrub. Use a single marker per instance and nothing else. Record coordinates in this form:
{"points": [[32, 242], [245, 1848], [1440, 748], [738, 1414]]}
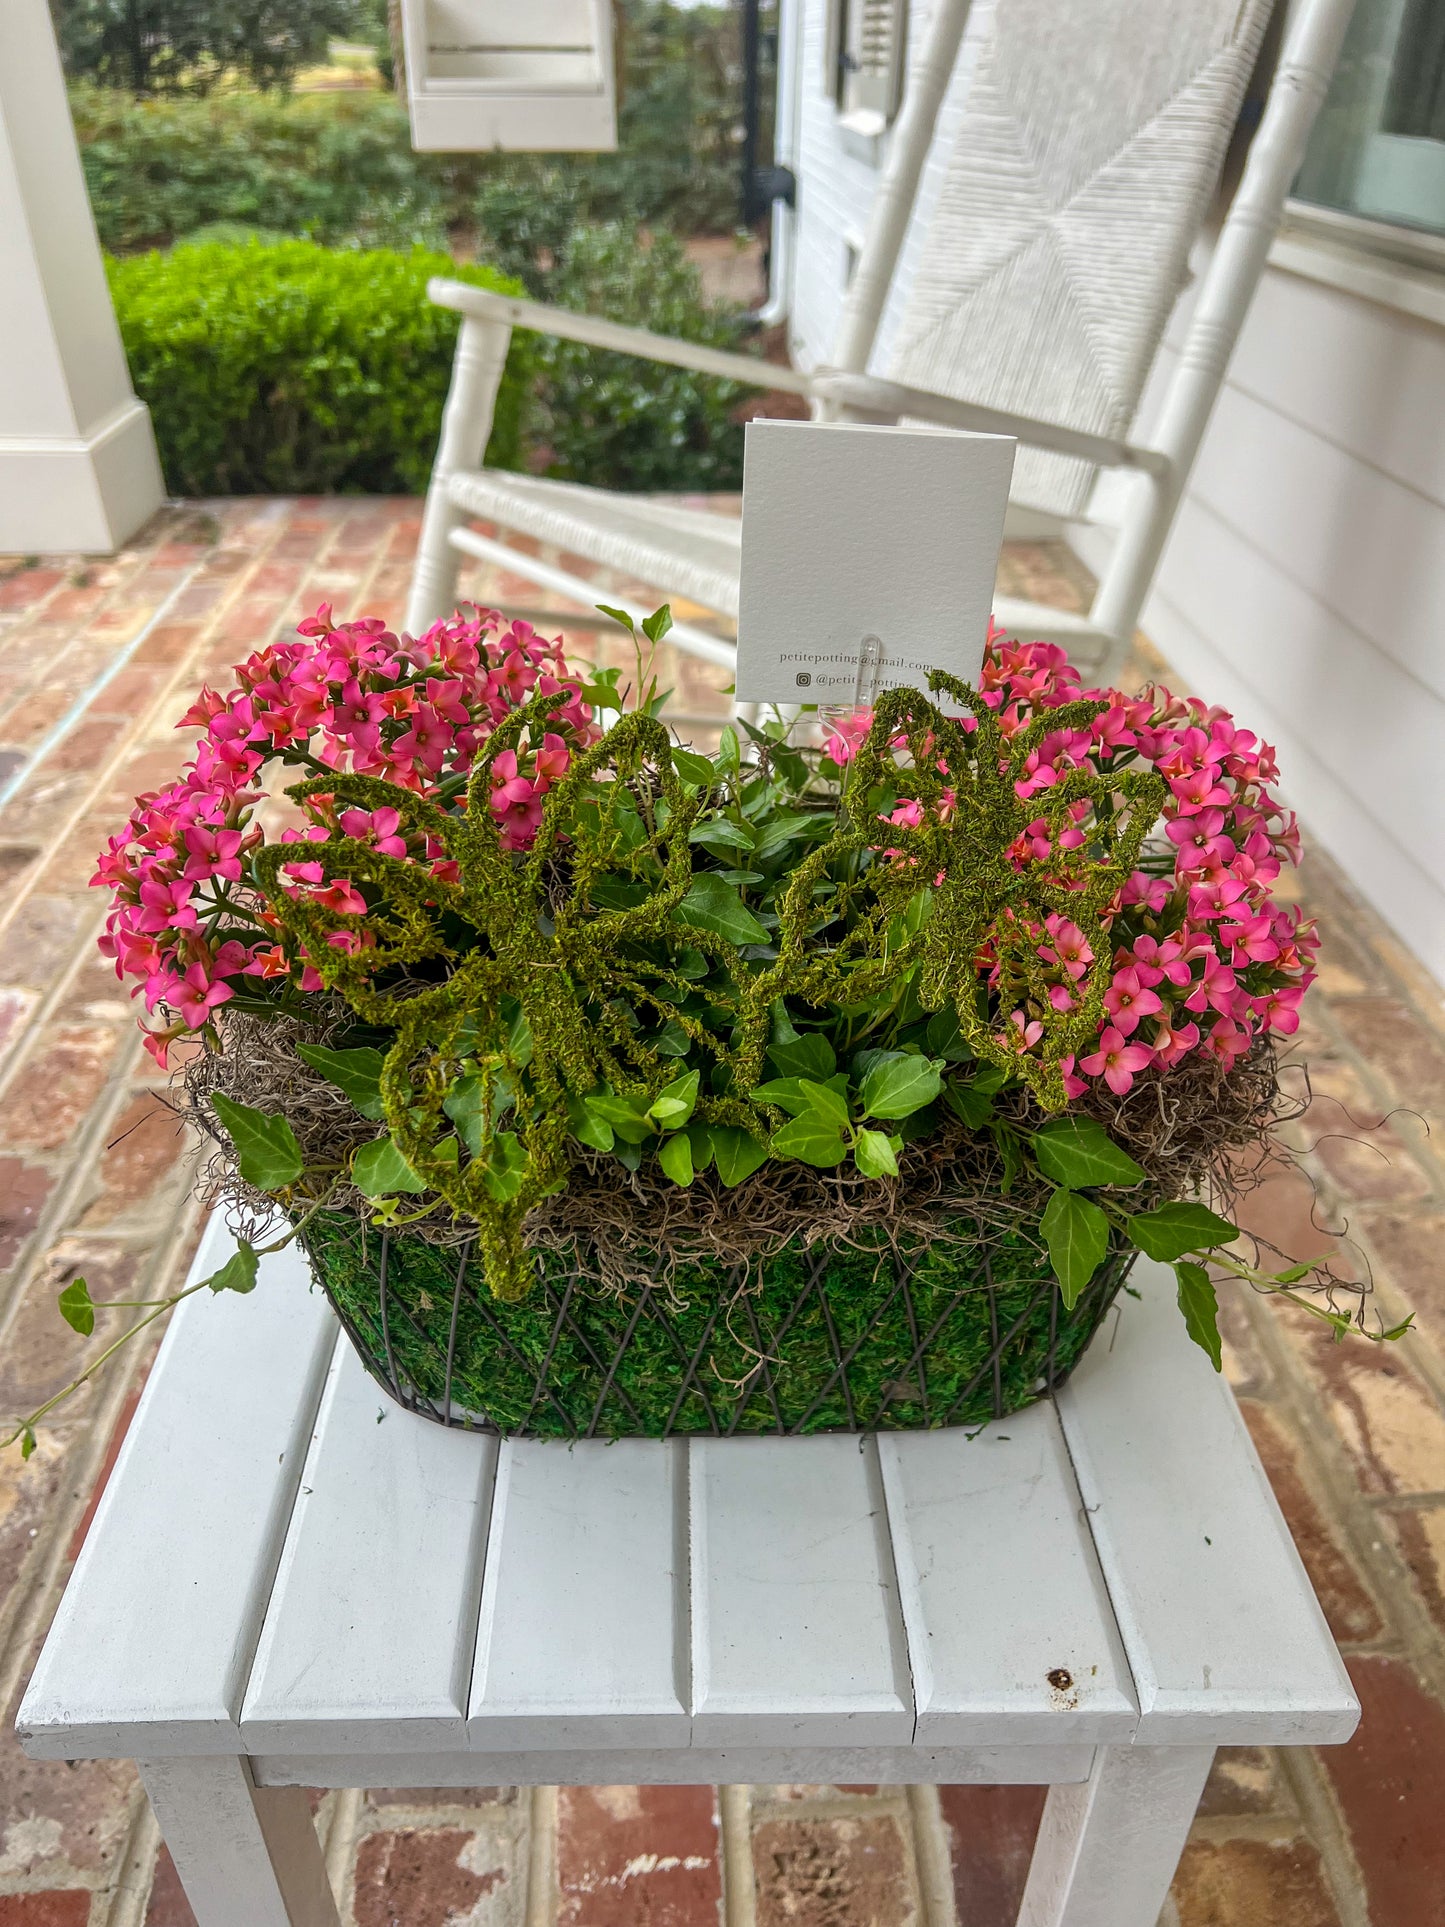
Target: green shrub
{"points": [[339, 167], [619, 422], [330, 167], [295, 369]]}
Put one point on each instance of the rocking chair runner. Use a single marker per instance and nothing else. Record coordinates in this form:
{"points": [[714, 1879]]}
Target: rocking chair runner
{"points": [[1047, 271]]}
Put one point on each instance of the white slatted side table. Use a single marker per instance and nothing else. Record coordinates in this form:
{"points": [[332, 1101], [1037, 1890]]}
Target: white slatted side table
{"points": [[291, 1582]]}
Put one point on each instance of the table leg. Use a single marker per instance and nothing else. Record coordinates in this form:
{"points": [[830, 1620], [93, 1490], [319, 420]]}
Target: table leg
{"points": [[247, 1856], [1107, 1849]]}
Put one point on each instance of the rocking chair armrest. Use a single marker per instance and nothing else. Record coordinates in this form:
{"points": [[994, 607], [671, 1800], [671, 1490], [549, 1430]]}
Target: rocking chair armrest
{"points": [[891, 400], [483, 305]]}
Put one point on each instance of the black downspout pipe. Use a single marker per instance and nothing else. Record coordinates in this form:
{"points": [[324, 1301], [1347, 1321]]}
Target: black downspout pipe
{"points": [[752, 58]]}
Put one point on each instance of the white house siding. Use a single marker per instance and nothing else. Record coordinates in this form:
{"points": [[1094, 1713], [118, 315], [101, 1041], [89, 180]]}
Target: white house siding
{"points": [[1304, 584], [838, 172]]}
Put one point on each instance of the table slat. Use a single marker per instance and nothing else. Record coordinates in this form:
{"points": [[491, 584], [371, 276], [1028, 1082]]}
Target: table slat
{"points": [[797, 1638], [1225, 1639], [149, 1650], [368, 1638], [1001, 1588], [583, 1637]]}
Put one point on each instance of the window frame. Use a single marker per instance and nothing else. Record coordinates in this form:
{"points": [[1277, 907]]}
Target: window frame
{"points": [[867, 122]]}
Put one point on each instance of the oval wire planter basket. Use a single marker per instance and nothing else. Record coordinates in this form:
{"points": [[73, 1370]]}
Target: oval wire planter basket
{"points": [[958, 1332]]}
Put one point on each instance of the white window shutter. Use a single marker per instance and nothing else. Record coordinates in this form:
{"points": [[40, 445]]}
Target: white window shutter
{"points": [[872, 63], [520, 75]]}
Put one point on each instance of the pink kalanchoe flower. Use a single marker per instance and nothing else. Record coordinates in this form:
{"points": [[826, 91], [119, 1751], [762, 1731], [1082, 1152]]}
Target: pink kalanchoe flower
{"points": [[1127, 1000], [552, 758], [1157, 961], [1068, 946], [1280, 1009], [1023, 1032], [1116, 1061], [1217, 989], [197, 995], [212, 853], [844, 738], [342, 897], [1074, 1085], [1173, 1041]]}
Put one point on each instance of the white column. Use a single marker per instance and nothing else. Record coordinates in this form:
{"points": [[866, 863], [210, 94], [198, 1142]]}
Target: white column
{"points": [[78, 465]]}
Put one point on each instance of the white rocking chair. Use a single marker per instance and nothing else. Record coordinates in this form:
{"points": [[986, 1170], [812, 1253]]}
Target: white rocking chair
{"points": [[1050, 263]]}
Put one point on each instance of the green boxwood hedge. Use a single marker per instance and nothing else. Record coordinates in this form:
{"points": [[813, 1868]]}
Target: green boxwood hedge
{"points": [[278, 367], [291, 368]]}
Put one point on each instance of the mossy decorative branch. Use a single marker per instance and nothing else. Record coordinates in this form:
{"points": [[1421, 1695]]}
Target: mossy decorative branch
{"points": [[530, 931]]}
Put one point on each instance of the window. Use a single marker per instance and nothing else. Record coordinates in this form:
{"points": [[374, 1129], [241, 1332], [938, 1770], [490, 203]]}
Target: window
{"points": [[868, 49], [1378, 147]]}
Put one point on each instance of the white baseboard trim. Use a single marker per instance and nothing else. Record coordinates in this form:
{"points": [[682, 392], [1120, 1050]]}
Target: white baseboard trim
{"points": [[80, 495]]}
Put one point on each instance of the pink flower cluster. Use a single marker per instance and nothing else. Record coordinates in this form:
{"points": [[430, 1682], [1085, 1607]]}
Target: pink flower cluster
{"points": [[1204, 959], [349, 697]]}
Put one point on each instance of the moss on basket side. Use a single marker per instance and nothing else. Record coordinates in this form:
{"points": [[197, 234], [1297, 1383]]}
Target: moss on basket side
{"points": [[690, 1352]]}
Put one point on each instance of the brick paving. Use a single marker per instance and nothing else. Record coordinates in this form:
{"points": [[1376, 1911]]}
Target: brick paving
{"points": [[96, 660]]}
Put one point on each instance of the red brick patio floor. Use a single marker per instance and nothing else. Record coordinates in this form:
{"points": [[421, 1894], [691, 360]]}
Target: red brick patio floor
{"points": [[97, 659]]}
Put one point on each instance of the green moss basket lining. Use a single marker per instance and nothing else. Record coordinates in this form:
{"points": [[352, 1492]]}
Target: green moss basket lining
{"points": [[957, 1332]]}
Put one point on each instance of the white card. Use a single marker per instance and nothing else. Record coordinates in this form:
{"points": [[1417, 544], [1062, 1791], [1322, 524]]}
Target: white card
{"points": [[852, 531]]}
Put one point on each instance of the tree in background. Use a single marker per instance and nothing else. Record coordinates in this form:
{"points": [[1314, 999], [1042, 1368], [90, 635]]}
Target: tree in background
{"points": [[187, 46]]}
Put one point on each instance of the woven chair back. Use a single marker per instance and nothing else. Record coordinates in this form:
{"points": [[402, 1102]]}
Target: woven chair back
{"points": [[1089, 148]]}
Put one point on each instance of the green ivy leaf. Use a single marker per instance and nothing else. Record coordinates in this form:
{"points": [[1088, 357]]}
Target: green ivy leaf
{"points": [[266, 1149], [587, 1127], [812, 1139], [695, 770], [1292, 1274], [1077, 1151], [1201, 1310], [673, 1105], [1174, 1230], [719, 835], [875, 1155], [899, 1087], [602, 691], [779, 831], [945, 1038], [699, 1136], [711, 905], [674, 1154], [380, 1169], [619, 616], [356, 1072], [736, 1153], [729, 751], [76, 1307], [672, 1040], [626, 1115], [465, 1105], [656, 626], [239, 1271], [804, 1054], [519, 1040], [27, 1441], [971, 1104], [506, 1166], [787, 1093], [824, 1100], [617, 1110], [1077, 1235]]}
